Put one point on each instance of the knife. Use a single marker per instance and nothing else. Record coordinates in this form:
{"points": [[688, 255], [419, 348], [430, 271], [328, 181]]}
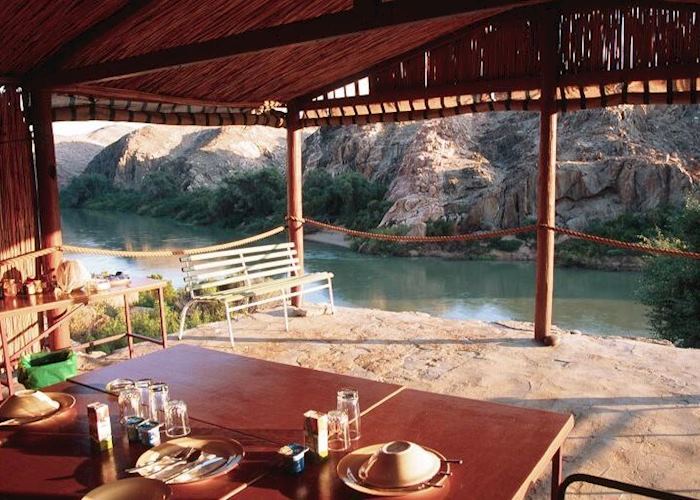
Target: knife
{"points": [[194, 468]]}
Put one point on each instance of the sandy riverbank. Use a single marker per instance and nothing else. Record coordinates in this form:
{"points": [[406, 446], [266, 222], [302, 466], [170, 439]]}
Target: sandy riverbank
{"points": [[636, 403], [329, 238]]}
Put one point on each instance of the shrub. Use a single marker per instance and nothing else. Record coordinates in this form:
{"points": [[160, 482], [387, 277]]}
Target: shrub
{"points": [[505, 245], [381, 247], [670, 286], [349, 199], [440, 227]]}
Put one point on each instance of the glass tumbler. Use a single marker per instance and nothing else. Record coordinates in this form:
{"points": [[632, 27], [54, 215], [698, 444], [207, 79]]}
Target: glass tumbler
{"points": [[349, 402], [129, 403], [158, 397], [143, 385], [177, 422], [338, 431]]}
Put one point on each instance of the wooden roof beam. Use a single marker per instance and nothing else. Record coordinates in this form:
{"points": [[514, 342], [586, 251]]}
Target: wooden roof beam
{"points": [[330, 26], [466, 88], [83, 40]]}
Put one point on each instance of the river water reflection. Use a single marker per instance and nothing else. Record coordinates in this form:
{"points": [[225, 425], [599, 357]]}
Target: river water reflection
{"points": [[593, 301]]}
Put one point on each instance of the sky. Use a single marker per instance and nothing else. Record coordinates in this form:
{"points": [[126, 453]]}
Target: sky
{"points": [[75, 128], [79, 128]]}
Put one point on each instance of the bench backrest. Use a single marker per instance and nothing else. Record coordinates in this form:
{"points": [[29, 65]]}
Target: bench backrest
{"points": [[221, 272]]}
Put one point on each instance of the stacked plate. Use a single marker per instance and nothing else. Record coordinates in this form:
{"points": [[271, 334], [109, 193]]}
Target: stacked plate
{"points": [[394, 468], [28, 406]]}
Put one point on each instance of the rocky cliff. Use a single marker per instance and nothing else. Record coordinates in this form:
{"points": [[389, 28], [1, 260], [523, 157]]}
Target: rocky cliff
{"points": [[197, 157], [479, 171], [74, 152]]}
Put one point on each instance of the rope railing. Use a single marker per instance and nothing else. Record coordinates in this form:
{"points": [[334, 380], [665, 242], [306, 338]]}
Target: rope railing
{"points": [[142, 254], [415, 239], [640, 247]]}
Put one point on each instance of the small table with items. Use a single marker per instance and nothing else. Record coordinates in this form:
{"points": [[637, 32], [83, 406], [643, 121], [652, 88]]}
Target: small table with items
{"points": [[493, 451], [71, 303]]}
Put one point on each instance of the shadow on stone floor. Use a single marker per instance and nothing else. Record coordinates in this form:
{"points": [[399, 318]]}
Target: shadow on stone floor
{"points": [[508, 342]]}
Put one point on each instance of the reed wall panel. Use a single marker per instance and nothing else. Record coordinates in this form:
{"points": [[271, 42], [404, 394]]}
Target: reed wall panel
{"points": [[18, 222]]}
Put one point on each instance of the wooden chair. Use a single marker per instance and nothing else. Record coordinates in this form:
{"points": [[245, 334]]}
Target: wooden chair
{"points": [[246, 277]]}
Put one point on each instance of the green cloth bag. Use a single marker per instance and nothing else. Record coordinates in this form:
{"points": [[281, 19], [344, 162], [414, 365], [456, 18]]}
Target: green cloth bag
{"points": [[42, 369]]}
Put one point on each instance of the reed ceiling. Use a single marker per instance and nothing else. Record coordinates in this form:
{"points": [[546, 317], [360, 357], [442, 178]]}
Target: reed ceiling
{"points": [[494, 43]]}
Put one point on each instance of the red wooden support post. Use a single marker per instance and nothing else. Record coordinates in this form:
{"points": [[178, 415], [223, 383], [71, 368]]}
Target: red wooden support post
{"points": [[546, 184], [49, 210], [294, 186]]}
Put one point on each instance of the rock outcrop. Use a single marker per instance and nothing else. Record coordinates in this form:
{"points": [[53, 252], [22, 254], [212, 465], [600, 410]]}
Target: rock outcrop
{"points": [[480, 171], [74, 152], [196, 157]]}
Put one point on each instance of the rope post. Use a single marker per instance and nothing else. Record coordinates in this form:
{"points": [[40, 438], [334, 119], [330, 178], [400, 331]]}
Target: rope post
{"points": [[294, 191], [546, 183], [49, 210]]}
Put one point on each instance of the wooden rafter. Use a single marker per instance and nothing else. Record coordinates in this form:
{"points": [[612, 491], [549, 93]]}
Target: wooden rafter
{"points": [[83, 40], [330, 26]]}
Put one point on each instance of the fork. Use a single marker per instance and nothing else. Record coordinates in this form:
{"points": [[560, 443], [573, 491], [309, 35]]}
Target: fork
{"points": [[178, 456]]}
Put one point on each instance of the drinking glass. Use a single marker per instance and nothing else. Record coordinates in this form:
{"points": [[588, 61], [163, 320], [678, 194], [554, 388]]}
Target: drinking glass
{"points": [[129, 403], [158, 396], [143, 385], [338, 431], [349, 402], [177, 422]]}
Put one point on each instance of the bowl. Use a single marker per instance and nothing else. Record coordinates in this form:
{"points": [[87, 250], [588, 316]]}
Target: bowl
{"points": [[398, 464], [28, 404]]}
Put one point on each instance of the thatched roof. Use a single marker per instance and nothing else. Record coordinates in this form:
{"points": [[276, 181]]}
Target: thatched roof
{"points": [[243, 55]]}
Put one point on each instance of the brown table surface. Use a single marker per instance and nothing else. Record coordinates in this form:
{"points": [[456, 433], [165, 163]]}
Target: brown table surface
{"points": [[261, 404], [10, 306], [54, 458], [504, 448], [240, 393]]}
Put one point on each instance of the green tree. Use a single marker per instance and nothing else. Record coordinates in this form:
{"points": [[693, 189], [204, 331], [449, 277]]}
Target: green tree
{"points": [[670, 286], [84, 188]]}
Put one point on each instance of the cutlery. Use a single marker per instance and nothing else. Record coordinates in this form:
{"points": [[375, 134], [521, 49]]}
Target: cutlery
{"points": [[193, 457], [178, 458], [194, 468]]}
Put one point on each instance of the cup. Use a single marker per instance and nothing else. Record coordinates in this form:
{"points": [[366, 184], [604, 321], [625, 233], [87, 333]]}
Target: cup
{"points": [[338, 431], [129, 403], [143, 385], [349, 402], [158, 397], [177, 422]]}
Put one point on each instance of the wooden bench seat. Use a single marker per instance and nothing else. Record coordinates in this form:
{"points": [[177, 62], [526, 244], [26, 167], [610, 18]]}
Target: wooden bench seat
{"points": [[251, 276]]}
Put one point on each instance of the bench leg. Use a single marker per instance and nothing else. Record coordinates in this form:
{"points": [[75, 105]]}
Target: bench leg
{"points": [[230, 326], [330, 296], [183, 316]]}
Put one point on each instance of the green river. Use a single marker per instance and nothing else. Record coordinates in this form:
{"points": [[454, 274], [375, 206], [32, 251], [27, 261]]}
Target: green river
{"points": [[597, 302]]}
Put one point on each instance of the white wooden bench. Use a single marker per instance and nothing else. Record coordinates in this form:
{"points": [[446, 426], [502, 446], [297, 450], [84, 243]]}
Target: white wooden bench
{"points": [[249, 276]]}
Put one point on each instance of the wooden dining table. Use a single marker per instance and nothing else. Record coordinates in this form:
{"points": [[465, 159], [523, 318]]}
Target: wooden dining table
{"points": [[261, 404]]}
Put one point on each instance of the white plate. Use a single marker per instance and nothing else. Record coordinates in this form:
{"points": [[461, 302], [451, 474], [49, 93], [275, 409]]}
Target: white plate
{"points": [[349, 465], [228, 449]]}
